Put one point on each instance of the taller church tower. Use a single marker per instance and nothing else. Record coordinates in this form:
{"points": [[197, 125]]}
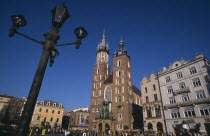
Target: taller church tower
{"points": [[115, 102], [101, 72]]}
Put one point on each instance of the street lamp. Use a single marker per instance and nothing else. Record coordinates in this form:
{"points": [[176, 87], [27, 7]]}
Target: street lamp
{"points": [[59, 16]]}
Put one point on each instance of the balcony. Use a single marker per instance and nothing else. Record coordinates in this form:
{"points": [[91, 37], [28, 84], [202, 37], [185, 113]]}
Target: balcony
{"points": [[187, 103], [201, 101], [183, 90], [157, 117], [172, 105]]}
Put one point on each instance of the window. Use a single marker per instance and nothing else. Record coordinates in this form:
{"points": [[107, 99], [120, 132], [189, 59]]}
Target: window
{"points": [[48, 103], [59, 112], [145, 89], [45, 118], [57, 120], [55, 104], [200, 95], [46, 110], [158, 112], [118, 63], [155, 97], [189, 113], [119, 91], [108, 93], [38, 118], [40, 110], [196, 82], [119, 99], [147, 99], [206, 77], [53, 111], [97, 71], [204, 112], [182, 85], [119, 116], [154, 87], [149, 113], [179, 75], [172, 100], [168, 79], [51, 119], [170, 89], [175, 115], [185, 98], [128, 64], [192, 70]]}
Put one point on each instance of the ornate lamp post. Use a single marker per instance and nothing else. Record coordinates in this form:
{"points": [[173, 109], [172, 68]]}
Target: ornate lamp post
{"points": [[59, 16]]}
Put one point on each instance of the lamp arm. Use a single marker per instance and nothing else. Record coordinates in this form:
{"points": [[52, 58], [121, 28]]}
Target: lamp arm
{"points": [[42, 43], [63, 44], [78, 43]]}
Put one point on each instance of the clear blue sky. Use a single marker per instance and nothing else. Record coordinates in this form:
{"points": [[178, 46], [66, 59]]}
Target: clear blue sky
{"points": [[155, 32]]}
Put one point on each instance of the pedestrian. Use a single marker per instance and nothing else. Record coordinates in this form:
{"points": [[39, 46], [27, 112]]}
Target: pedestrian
{"points": [[43, 132]]}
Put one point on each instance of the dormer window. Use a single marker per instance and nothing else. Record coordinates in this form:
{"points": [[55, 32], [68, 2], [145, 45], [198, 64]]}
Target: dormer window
{"points": [[48, 103], [60, 105], [42, 102]]}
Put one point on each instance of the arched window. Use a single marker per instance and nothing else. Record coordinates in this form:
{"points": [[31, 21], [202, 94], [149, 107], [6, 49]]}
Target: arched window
{"points": [[97, 71], [118, 63], [108, 93]]}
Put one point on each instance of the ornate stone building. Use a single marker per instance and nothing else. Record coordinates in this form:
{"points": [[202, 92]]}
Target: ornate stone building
{"points": [[152, 104], [185, 89], [76, 119], [48, 113], [115, 102], [4, 103]]}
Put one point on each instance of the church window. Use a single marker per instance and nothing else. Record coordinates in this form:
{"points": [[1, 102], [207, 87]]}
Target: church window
{"points": [[122, 89], [108, 93], [119, 116], [118, 63], [122, 80], [119, 91], [107, 72], [119, 99], [129, 75], [119, 73], [97, 71], [100, 77], [128, 64], [123, 99]]}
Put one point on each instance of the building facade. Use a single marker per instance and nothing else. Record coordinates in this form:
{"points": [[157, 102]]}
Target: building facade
{"points": [[77, 119], [185, 92], [48, 113], [4, 103], [152, 104], [14, 110], [114, 102]]}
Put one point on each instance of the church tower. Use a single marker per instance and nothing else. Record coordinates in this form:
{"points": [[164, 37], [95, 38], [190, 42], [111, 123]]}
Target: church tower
{"points": [[101, 72], [115, 102]]}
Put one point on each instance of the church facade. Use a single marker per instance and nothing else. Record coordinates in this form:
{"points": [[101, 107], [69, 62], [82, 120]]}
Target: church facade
{"points": [[115, 103]]}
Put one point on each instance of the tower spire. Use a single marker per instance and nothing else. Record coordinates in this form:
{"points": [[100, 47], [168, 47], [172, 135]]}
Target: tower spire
{"points": [[103, 46]]}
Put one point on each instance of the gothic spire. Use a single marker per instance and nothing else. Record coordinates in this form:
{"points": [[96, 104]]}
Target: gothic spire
{"points": [[103, 46], [121, 50]]}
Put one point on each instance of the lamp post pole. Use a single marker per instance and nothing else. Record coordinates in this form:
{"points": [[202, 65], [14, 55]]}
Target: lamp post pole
{"points": [[51, 38], [60, 14]]}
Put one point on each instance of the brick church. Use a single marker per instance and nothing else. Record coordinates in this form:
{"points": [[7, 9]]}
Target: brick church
{"points": [[115, 101]]}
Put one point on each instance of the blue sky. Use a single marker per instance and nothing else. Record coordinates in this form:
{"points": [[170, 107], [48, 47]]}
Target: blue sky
{"points": [[156, 33]]}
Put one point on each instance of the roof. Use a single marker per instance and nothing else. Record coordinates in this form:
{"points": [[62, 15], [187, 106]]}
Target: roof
{"points": [[136, 90], [109, 80], [51, 103]]}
